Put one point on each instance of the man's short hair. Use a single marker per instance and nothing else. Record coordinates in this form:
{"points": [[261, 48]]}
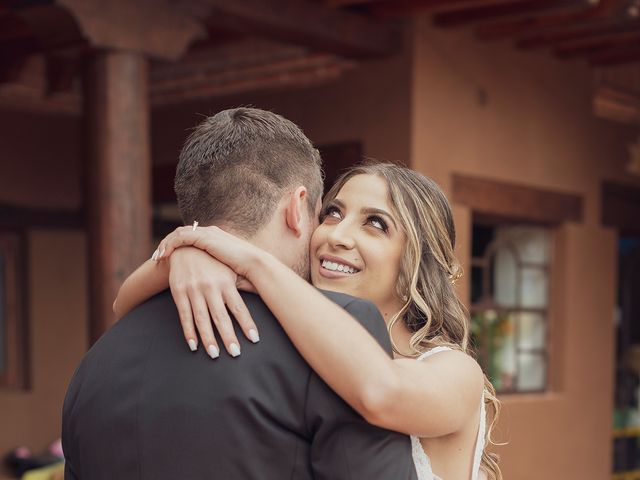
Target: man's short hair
{"points": [[236, 165]]}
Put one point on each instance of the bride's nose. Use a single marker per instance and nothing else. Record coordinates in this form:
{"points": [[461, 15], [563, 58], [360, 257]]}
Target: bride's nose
{"points": [[341, 236]]}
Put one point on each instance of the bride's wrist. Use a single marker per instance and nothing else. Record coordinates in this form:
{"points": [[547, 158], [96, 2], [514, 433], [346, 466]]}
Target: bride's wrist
{"points": [[261, 265]]}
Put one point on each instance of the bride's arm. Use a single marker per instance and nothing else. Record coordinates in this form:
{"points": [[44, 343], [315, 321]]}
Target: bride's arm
{"points": [[431, 398], [146, 281], [190, 274]]}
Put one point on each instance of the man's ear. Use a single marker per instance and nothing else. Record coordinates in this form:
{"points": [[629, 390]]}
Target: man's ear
{"points": [[294, 213]]}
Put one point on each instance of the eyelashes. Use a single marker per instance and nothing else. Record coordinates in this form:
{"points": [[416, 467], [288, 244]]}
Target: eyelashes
{"points": [[382, 224], [374, 221], [330, 210]]}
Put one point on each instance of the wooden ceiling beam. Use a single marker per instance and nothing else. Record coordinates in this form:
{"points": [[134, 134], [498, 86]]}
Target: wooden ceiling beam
{"points": [[61, 71], [40, 28], [590, 30], [619, 106], [52, 26], [525, 26], [593, 45], [615, 56], [12, 27], [287, 73], [310, 24], [400, 8], [32, 29], [461, 16], [13, 56], [348, 3]]}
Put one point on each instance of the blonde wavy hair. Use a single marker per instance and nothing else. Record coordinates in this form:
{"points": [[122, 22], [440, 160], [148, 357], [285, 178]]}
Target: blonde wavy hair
{"points": [[431, 310]]}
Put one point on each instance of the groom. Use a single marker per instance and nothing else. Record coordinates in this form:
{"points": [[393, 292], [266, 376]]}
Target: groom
{"points": [[141, 406]]}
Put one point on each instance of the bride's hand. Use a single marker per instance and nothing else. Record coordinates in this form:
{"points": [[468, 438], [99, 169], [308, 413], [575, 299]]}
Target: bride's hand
{"points": [[204, 289], [238, 254]]}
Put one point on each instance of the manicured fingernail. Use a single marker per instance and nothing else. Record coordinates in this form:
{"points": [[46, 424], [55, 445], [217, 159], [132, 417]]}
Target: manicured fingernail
{"points": [[234, 350], [161, 253], [213, 351], [155, 255], [253, 336], [193, 345]]}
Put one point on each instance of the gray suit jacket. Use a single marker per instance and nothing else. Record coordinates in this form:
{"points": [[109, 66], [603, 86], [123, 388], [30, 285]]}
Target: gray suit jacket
{"points": [[141, 406]]}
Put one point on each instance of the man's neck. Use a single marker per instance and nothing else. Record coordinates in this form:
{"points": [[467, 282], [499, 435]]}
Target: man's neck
{"points": [[263, 239]]}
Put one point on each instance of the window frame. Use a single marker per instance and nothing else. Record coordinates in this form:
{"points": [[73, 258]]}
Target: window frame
{"points": [[490, 201], [487, 302]]}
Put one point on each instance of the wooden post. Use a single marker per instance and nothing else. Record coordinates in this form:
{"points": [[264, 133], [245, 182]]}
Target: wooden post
{"points": [[118, 176]]}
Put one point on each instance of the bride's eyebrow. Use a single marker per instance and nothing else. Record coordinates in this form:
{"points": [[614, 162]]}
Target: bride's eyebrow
{"points": [[337, 203], [378, 211]]}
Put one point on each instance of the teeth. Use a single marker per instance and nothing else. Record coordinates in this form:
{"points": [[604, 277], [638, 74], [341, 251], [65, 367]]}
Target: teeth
{"points": [[333, 266]]}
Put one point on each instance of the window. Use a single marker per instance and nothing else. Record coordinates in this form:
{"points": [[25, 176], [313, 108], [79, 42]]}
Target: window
{"points": [[12, 319], [509, 303], [510, 275]]}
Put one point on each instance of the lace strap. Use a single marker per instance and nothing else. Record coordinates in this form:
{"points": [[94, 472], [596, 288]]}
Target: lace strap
{"points": [[433, 351], [477, 456]]}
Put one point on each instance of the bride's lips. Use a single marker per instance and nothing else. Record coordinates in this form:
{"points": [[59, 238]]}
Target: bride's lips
{"points": [[335, 273]]}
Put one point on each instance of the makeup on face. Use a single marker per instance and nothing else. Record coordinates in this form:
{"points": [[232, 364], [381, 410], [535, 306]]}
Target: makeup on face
{"points": [[357, 248]]}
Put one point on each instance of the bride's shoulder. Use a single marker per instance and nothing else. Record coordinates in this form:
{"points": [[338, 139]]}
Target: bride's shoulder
{"points": [[455, 365]]}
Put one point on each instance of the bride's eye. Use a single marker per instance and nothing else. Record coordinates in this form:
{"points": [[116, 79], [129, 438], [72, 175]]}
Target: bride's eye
{"points": [[378, 223], [331, 212]]}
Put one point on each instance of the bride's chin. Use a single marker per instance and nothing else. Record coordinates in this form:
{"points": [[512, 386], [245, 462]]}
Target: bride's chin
{"points": [[332, 285]]}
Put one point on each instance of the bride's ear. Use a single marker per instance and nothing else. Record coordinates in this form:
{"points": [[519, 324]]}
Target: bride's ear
{"points": [[294, 213]]}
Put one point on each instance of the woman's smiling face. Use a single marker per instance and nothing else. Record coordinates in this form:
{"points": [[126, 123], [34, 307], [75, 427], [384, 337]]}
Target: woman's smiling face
{"points": [[358, 247]]}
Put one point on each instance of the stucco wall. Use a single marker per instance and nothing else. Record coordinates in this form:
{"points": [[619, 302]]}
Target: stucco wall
{"points": [[487, 110], [40, 168], [58, 338]]}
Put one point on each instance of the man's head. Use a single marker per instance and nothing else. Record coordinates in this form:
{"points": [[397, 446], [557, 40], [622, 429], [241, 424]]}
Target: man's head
{"points": [[254, 173]]}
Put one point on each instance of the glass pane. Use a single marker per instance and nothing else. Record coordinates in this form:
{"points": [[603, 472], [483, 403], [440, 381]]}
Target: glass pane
{"points": [[3, 307], [505, 277], [481, 237], [527, 245], [496, 346], [532, 330], [532, 243], [532, 372], [534, 288], [476, 284]]}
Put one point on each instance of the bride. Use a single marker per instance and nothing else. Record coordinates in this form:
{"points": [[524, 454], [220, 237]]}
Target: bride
{"points": [[386, 234]]}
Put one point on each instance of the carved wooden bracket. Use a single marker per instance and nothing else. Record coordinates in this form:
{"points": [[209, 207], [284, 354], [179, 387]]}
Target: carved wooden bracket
{"points": [[158, 28]]}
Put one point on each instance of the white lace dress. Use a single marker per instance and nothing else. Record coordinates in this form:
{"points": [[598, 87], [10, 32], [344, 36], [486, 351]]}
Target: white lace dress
{"points": [[420, 458]]}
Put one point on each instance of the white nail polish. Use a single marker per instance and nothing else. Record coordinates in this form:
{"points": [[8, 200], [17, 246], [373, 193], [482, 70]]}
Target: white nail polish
{"points": [[253, 336], [193, 345], [161, 254], [213, 351], [234, 350], [155, 255]]}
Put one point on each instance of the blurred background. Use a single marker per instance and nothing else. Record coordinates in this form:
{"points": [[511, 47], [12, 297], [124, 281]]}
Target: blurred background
{"points": [[526, 112]]}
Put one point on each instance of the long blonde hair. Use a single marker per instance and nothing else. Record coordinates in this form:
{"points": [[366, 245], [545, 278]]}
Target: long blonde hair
{"points": [[431, 308]]}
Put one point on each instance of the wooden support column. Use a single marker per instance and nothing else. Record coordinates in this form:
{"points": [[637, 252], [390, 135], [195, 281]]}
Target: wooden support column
{"points": [[118, 171]]}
